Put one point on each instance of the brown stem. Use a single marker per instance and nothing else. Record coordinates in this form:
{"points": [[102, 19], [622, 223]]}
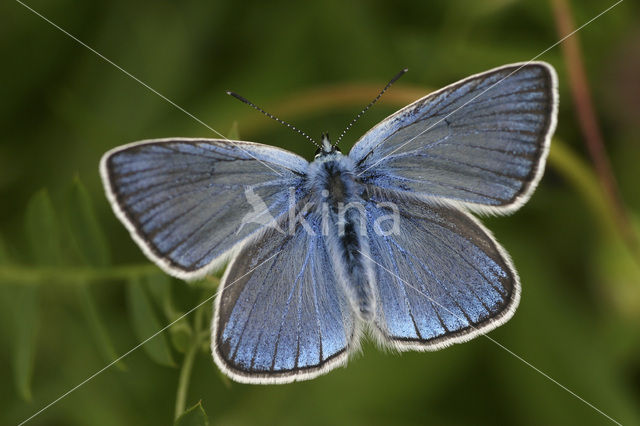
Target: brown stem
{"points": [[588, 121]]}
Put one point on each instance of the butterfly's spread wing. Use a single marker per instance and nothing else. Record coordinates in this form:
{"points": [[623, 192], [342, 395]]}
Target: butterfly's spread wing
{"points": [[441, 277], [281, 316], [188, 202], [480, 143]]}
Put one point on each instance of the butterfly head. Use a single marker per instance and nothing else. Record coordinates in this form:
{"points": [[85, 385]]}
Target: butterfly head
{"points": [[326, 147]]}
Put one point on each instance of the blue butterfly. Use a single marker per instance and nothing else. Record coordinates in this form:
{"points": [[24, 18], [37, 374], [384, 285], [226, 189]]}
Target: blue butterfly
{"points": [[380, 240]]}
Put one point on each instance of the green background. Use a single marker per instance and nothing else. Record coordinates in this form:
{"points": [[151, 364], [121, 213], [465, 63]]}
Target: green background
{"points": [[76, 291]]}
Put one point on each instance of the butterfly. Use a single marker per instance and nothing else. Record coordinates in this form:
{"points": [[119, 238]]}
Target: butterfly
{"points": [[379, 241]]}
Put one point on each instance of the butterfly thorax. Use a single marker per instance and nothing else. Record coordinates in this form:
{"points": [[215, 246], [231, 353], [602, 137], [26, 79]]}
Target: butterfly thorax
{"points": [[337, 200]]}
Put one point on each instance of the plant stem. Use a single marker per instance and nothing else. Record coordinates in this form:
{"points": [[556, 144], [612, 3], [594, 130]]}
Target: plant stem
{"points": [[581, 177], [22, 274], [587, 119], [187, 363], [78, 275]]}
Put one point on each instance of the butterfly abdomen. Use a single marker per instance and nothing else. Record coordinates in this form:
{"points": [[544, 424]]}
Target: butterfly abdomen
{"points": [[337, 201], [350, 241]]}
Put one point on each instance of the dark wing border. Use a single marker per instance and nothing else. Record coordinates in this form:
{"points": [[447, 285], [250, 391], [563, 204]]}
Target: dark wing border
{"points": [[285, 376], [141, 241], [525, 194], [471, 331]]}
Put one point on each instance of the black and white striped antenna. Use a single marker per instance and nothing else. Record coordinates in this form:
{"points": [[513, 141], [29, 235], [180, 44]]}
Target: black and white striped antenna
{"points": [[393, 80], [292, 127]]}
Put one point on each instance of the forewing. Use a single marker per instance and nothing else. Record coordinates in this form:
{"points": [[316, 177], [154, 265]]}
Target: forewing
{"points": [[480, 143], [187, 202], [281, 315], [441, 277]]}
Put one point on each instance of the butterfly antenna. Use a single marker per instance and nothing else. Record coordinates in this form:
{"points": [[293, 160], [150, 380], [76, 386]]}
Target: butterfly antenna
{"points": [[393, 80], [251, 104]]}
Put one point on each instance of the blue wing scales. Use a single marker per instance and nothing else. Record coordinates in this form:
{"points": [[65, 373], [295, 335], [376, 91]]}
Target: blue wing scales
{"points": [[442, 278], [480, 143], [281, 315], [183, 200]]}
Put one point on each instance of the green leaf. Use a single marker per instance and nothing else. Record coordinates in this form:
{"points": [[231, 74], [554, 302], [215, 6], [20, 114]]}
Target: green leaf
{"points": [[194, 416], [43, 238], [20, 311], [617, 274], [87, 235], [146, 324], [159, 285], [233, 133], [97, 327], [91, 245], [43, 234], [25, 328], [181, 333]]}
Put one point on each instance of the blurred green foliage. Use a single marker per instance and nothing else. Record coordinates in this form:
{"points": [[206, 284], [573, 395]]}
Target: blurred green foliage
{"points": [[76, 292]]}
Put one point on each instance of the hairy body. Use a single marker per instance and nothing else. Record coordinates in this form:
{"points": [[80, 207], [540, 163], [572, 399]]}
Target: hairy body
{"points": [[339, 199]]}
